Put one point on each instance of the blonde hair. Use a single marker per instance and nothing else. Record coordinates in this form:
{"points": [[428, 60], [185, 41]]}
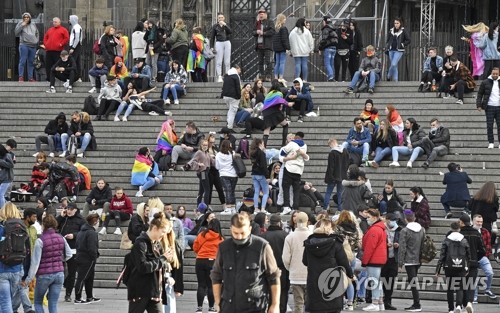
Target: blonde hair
{"points": [[179, 23], [324, 226], [8, 211], [85, 117], [168, 242], [479, 27], [280, 21], [370, 47], [108, 29], [155, 202]]}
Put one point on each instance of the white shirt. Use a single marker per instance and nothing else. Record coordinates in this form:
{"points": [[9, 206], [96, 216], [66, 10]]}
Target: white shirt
{"points": [[494, 99]]}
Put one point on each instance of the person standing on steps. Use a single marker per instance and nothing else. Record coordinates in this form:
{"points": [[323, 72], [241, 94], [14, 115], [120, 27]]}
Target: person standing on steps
{"points": [[263, 33], [397, 41], [488, 99], [54, 41], [336, 172], [328, 46], [69, 224], [219, 39], [75, 45], [231, 93], [28, 42]]}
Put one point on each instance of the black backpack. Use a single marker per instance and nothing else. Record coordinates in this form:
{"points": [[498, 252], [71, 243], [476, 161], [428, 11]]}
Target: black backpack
{"points": [[13, 246], [456, 258], [90, 105], [127, 270]]}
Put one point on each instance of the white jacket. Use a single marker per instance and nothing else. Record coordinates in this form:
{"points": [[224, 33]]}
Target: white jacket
{"points": [[301, 43], [292, 255], [224, 163]]}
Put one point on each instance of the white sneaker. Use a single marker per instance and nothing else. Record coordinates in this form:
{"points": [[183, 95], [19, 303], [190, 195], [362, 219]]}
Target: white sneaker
{"points": [[167, 101], [458, 309], [286, 210], [227, 211], [66, 83], [51, 155], [381, 307], [491, 146], [35, 155], [459, 101], [409, 164], [117, 119], [51, 90], [394, 164], [124, 119], [220, 79], [265, 212], [79, 155], [153, 113], [139, 194], [469, 308], [168, 113], [117, 231], [311, 114], [63, 155], [176, 102], [349, 307], [69, 90], [92, 90], [103, 231], [79, 80], [372, 308]]}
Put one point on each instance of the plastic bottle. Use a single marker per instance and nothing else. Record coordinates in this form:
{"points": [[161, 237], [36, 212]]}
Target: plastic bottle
{"points": [[433, 87], [318, 112]]}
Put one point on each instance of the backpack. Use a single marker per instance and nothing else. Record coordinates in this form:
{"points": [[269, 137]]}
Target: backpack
{"points": [[90, 105], [207, 51], [37, 62], [455, 257], [96, 47], [127, 270], [72, 145], [239, 166], [244, 148], [13, 246], [428, 250]]}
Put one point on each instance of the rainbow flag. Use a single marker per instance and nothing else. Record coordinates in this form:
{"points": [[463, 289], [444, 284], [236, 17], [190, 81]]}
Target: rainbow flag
{"points": [[195, 58], [167, 138], [273, 98], [140, 170]]}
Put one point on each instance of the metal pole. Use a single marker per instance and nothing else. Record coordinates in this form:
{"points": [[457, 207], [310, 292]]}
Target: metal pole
{"points": [[375, 28]]}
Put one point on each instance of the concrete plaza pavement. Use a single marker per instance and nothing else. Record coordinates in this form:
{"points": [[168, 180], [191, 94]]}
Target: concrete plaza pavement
{"points": [[114, 300]]}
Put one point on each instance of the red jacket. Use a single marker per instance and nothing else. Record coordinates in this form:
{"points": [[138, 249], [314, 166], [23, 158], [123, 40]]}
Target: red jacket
{"points": [[56, 38], [123, 204], [375, 245], [486, 241]]}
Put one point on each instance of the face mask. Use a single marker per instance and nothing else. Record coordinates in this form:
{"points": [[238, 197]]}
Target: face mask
{"points": [[370, 222], [393, 224], [370, 53], [433, 129], [241, 242]]}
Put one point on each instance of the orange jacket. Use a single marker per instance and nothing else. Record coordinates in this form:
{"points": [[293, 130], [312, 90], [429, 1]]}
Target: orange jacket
{"points": [[206, 246], [82, 169]]}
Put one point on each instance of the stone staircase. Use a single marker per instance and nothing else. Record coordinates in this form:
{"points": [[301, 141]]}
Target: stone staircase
{"points": [[25, 109]]}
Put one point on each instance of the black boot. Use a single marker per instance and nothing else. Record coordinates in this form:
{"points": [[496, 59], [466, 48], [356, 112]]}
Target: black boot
{"points": [[283, 135], [265, 138]]}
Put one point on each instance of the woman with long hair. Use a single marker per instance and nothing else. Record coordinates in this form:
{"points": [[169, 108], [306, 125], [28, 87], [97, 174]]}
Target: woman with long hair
{"points": [[228, 176], [187, 223], [488, 44], [356, 47], [394, 118], [6, 173], [179, 40], [206, 246], [281, 45], [145, 172], [258, 91], [477, 32], [201, 163], [397, 41], [139, 222], [369, 115], [485, 203], [175, 82], [166, 139], [109, 46], [259, 174], [382, 143], [390, 201], [245, 108], [168, 243], [420, 207], [301, 46], [272, 111], [412, 141]]}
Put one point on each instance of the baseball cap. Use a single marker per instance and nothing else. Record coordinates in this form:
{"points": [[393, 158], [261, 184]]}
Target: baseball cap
{"points": [[465, 218], [72, 206]]}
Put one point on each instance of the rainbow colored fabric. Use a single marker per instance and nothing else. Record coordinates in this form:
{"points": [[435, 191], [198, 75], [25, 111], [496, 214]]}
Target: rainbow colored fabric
{"points": [[273, 98], [195, 57], [167, 138], [140, 170]]}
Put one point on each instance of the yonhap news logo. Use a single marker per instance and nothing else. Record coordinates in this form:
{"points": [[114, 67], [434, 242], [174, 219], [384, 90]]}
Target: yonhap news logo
{"points": [[333, 283]]}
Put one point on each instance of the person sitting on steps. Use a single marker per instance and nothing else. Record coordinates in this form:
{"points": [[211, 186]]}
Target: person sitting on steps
{"points": [[369, 68], [120, 209]]}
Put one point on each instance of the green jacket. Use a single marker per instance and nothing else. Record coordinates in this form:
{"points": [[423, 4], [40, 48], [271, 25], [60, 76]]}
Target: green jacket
{"points": [[179, 37]]}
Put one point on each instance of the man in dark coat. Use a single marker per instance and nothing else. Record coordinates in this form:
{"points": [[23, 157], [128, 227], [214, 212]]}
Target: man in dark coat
{"points": [[457, 193], [263, 33], [231, 93], [437, 143], [336, 172]]}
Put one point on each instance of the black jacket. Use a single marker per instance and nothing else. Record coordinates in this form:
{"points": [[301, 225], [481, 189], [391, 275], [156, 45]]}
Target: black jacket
{"points": [[415, 137], [338, 162], [259, 163], [219, 33], [402, 39], [447, 248], [81, 127], [329, 37], [323, 252], [156, 42], [87, 244], [396, 203], [357, 41], [53, 127], [136, 227], [487, 210], [281, 43], [475, 240], [456, 187], [389, 142], [483, 94], [108, 46], [268, 29], [58, 171], [192, 140], [148, 266], [70, 225], [276, 238], [231, 86], [344, 43], [69, 64], [101, 196], [440, 137]]}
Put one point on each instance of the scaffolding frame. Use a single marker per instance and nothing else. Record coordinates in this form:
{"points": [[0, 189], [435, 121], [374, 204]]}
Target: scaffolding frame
{"points": [[427, 26]]}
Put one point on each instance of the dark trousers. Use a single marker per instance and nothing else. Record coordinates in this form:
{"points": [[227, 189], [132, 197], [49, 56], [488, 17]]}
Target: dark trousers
{"points": [[461, 88], [455, 204], [353, 62], [285, 288], [253, 123], [106, 107], [203, 268], [64, 76], [204, 188], [492, 116], [299, 105], [51, 58], [144, 304], [412, 272], [180, 54], [76, 56], [265, 63], [156, 106], [389, 272], [291, 179], [69, 277], [444, 85], [341, 60], [454, 284], [432, 151], [214, 181], [428, 76], [471, 287], [86, 271], [117, 215], [178, 273]]}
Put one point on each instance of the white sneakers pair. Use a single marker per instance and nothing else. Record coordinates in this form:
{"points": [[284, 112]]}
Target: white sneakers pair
{"points": [[117, 231]]}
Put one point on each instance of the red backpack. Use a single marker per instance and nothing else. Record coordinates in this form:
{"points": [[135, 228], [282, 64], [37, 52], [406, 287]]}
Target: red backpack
{"points": [[96, 47]]}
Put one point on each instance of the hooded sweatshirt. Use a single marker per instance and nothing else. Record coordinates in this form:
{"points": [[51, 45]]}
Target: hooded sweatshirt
{"points": [[338, 162], [53, 127], [124, 204], [445, 248], [28, 34], [410, 241], [295, 166], [76, 36], [224, 163], [110, 93], [301, 43]]}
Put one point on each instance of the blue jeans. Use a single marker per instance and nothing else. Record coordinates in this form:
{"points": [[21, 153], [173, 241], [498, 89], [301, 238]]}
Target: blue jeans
{"points": [[394, 57], [260, 183], [485, 265], [121, 107], [174, 89], [241, 117], [374, 77], [163, 65], [84, 141], [8, 287], [26, 54], [279, 64], [301, 67], [329, 58], [328, 194], [415, 153], [51, 282], [361, 285], [151, 182], [21, 297], [373, 276], [381, 153], [363, 150], [171, 306], [3, 189]]}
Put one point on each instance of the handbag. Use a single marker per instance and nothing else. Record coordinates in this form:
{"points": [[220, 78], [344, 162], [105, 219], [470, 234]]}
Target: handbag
{"points": [[494, 228], [239, 166], [126, 243], [342, 52]]}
